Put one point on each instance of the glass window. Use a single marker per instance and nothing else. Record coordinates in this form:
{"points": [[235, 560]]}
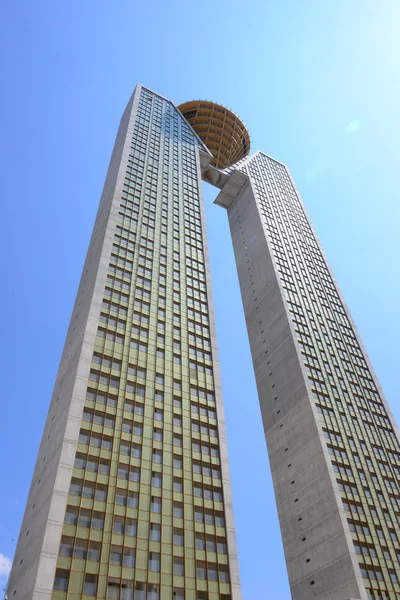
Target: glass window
{"points": [[116, 556], [97, 520], [94, 551], [61, 580], [130, 527], [156, 480], [154, 561], [210, 544], [177, 462], [155, 532], [66, 546], [178, 510], [200, 544], [133, 499], [201, 570], [158, 434], [120, 497], [153, 592], [80, 550], [90, 585], [155, 504], [118, 525], [157, 456], [178, 537], [177, 484], [129, 558], [179, 568]]}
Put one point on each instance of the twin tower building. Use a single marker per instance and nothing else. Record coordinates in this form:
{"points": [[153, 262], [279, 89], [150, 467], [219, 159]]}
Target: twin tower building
{"points": [[130, 497]]}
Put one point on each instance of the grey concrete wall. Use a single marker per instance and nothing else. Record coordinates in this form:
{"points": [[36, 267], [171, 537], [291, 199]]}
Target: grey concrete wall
{"points": [[321, 563], [34, 565]]}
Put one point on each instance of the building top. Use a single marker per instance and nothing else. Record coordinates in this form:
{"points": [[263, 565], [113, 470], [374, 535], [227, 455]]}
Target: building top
{"points": [[224, 134]]}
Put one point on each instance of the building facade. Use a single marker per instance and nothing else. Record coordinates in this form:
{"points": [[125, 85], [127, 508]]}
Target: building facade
{"points": [[130, 497], [333, 445]]}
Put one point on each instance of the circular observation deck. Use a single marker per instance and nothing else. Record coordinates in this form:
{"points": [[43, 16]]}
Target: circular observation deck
{"points": [[224, 134]]}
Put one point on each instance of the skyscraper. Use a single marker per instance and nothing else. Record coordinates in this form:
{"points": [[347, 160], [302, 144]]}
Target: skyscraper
{"points": [[333, 445], [130, 497]]}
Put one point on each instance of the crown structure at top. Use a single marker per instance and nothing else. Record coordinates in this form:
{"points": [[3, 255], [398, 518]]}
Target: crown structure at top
{"points": [[224, 134]]}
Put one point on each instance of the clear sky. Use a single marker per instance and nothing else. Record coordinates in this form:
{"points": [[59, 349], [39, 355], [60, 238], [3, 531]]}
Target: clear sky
{"points": [[318, 85]]}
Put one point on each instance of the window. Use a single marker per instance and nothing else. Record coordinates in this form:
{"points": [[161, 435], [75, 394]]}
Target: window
{"points": [[97, 520], [133, 499], [177, 441], [155, 504], [156, 480], [177, 421], [153, 592], [94, 551], [90, 585], [129, 557], [179, 568], [200, 570], [200, 543], [177, 462], [120, 497], [221, 546], [154, 561], [157, 456], [198, 515], [178, 510], [99, 494], [127, 427], [130, 527], [71, 515], [133, 450], [61, 580], [80, 550], [208, 517], [159, 396], [66, 546], [178, 537], [116, 555], [394, 577], [155, 532], [119, 525], [177, 403], [158, 415], [158, 434], [210, 544], [177, 484]]}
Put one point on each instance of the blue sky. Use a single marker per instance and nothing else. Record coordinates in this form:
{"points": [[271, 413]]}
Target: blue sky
{"points": [[318, 85]]}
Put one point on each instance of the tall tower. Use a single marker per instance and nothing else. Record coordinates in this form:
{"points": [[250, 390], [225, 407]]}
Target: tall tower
{"points": [[333, 445], [130, 497]]}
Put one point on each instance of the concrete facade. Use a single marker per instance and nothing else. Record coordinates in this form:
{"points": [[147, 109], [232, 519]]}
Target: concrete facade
{"points": [[314, 489]]}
